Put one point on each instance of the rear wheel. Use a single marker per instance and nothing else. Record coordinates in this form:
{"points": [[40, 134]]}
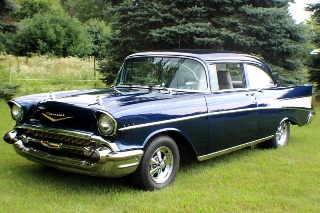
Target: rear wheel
{"points": [[159, 164], [281, 136]]}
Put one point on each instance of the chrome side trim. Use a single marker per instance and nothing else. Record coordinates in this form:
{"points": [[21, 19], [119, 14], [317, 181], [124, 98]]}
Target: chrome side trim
{"points": [[87, 136], [204, 115], [235, 148], [184, 118]]}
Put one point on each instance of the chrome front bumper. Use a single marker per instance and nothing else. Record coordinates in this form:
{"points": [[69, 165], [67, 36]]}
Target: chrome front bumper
{"points": [[106, 161]]}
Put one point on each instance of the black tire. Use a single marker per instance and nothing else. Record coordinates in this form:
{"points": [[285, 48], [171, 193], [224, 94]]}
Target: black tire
{"points": [[159, 164], [281, 136]]}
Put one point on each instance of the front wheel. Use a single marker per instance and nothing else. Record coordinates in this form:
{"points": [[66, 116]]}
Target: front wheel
{"points": [[159, 164]]}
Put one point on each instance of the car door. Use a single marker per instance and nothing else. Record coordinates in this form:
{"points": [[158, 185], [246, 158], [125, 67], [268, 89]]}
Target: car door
{"points": [[232, 109]]}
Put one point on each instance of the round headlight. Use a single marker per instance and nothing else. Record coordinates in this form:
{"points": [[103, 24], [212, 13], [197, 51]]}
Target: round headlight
{"points": [[107, 125], [16, 112]]}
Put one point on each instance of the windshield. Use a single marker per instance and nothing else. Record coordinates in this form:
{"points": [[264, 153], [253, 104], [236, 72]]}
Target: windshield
{"points": [[178, 73]]}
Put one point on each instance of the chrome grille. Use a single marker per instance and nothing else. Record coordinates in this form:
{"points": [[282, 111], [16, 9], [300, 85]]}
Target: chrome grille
{"points": [[69, 153], [58, 138], [67, 145]]}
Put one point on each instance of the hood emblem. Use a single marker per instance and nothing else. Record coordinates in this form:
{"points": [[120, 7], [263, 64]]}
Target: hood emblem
{"points": [[54, 117]]}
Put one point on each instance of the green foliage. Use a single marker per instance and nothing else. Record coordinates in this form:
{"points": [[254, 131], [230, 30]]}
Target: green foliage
{"points": [[42, 74], [314, 60], [52, 33], [27, 8], [7, 24], [250, 26], [109, 70], [314, 70], [89, 9], [286, 77], [99, 33], [8, 91]]}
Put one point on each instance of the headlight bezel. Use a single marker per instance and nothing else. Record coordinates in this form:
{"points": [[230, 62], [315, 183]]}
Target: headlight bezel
{"points": [[16, 111], [107, 124]]}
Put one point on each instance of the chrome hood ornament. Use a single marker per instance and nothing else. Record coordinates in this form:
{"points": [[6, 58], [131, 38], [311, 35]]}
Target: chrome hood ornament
{"points": [[49, 97]]}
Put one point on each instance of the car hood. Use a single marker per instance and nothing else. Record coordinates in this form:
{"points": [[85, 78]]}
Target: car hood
{"points": [[76, 109]]}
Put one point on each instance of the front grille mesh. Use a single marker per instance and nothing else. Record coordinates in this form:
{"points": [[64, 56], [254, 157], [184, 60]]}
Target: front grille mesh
{"points": [[74, 149], [58, 138], [69, 153]]}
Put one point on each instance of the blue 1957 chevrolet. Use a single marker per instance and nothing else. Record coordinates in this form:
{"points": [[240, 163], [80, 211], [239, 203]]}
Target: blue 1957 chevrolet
{"points": [[163, 107]]}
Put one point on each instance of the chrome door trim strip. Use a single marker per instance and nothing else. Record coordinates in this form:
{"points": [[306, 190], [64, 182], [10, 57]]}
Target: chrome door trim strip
{"points": [[225, 151], [185, 118], [205, 115]]}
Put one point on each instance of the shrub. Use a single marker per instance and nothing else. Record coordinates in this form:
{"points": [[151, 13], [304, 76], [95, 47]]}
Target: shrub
{"points": [[8, 91]]}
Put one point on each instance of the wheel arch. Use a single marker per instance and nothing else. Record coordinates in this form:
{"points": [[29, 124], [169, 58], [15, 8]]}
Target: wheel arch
{"points": [[186, 149], [291, 120]]}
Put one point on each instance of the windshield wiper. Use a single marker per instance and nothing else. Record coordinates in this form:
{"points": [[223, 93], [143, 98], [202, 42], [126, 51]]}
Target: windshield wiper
{"points": [[150, 87], [160, 88]]}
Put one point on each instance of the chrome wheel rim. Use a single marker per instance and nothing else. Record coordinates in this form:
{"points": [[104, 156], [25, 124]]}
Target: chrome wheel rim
{"points": [[161, 164], [281, 134]]}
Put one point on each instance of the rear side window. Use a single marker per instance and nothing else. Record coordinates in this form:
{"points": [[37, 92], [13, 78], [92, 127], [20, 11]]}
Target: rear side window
{"points": [[258, 78], [230, 76]]}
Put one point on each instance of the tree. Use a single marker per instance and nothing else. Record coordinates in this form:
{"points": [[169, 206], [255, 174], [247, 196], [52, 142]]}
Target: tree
{"points": [[99, 33], [7, 23], [27, 8], [252, 26], [90, 9], [52, 33], [314, 59]]}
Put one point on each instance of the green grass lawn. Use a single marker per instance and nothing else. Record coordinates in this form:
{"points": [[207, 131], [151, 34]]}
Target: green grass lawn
{"points": [[250, 180], [40, 74]]}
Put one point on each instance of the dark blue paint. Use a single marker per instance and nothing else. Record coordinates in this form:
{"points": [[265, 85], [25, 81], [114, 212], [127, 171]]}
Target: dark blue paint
{"points": [[136, 106]]}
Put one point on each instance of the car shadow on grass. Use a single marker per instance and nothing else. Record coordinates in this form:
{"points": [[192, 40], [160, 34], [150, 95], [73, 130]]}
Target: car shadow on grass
{"points": [[54, 179], [38, 174]]}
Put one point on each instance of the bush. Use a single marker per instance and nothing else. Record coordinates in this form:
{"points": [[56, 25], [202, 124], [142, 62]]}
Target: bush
{"points": [[53, 33], [8, 91]]}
